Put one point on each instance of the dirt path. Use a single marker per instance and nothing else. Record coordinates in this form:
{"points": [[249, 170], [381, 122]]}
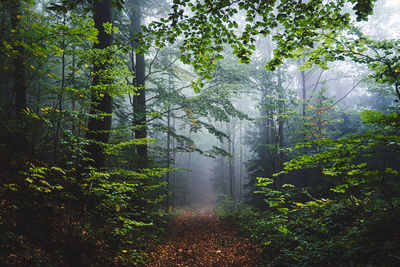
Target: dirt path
{"points": [[200, 238]]}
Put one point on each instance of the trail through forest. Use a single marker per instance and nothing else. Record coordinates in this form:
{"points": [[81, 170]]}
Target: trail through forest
{"points": [[201, 238]]}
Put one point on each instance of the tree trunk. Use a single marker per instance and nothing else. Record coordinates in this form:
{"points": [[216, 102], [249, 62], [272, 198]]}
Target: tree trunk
{"points": [[174, 165], [280, 125], [240, 163], [304, 99], [167, 199], [187, 190], [60, 97], [231, 151], [18, 60], [140, 98], [223, 180], [233, 161], [223, 172], [99, 128], [20, 141]]}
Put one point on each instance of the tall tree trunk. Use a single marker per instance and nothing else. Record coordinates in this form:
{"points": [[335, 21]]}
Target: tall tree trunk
{"points": [[167, 199], [20, 141], [240, 163], [174, 165], [280, 125], [60, 97], [18, 60], [187, 189], [233, 161], [73, 98], [99, 128], [303, 113], [140, 111], [223, 171], [140, 98], [223, 180], [231, 151]]}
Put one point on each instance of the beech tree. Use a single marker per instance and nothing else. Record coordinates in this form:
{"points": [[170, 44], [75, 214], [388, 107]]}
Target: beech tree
{"points": [[99, 126], [139, 105]]}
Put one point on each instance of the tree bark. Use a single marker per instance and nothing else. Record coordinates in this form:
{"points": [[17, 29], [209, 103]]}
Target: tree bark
{"points": [[19, 141], [304, 99], [99, 128], [168, 147], [140, 98], [60, 97], [174, 165], [280, 125], [231, 151], [18, 60], [187, 190], [240, 163]]}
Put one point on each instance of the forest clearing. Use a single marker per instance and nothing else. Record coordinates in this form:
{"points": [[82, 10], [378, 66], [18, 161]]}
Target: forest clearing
{"points": [[200, 133]]}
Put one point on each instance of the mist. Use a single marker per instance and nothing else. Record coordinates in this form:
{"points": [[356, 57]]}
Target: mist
{"points": [[343, 86], [152, 133]]}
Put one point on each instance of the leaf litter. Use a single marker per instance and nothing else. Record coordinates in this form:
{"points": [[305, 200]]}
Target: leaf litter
{"points": [[201, 238]]}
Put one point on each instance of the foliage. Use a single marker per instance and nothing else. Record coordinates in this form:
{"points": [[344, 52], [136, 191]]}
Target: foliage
{"points": [[356, 224], [57, 210], [347, 232], [98, 217], [380, 56], [53, 211], [348, 160], [267, 140], [210, 24]]}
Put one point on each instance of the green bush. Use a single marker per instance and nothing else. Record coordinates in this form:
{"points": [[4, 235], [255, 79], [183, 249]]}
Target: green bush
{"points": [[323, 233]]}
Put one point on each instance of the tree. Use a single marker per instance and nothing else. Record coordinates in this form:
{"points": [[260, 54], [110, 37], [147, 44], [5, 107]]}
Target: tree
{"points": [[268, 140], [19, 73], [19, 76], [139, 106], [100, 126]]}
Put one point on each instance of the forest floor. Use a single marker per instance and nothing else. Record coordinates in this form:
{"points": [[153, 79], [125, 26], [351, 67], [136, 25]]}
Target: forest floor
{"points": [[200, 238]]}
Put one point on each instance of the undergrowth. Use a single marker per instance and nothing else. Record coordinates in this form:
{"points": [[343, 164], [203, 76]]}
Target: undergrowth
{"points": [[348, 232]]}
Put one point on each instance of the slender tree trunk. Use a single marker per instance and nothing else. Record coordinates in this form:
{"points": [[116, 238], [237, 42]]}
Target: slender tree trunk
{"points": [[174, 173], [233, 161], [99, 128], [187, 191], [231, 167], [303, 113], [280, 124], [73, 98], [264, 120], [58, 127], [240, 163], [223, 172], [60, 96], [168, 159], [223, 168], [230, 161], [168, 146]]}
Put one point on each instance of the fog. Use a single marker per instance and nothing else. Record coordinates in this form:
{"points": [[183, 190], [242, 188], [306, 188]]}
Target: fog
{"points": [[219, 149]]}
